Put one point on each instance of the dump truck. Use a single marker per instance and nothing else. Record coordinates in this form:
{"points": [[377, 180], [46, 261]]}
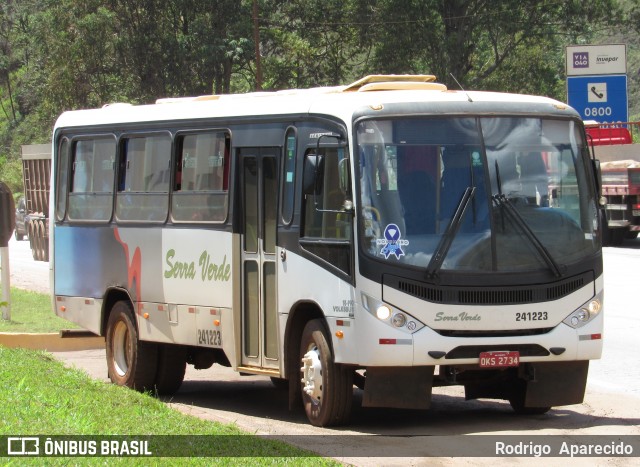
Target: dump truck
{"points": [[620, 166], [36, 174]]}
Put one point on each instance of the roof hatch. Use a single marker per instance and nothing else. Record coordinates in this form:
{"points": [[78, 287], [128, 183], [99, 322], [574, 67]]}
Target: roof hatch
{"points": [[395, 82]]}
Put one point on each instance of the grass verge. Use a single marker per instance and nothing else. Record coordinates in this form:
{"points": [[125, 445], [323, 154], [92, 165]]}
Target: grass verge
{"points": [[32, 312], [42, 397]]}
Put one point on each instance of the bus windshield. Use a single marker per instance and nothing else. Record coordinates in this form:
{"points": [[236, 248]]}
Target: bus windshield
{"points": [[504, 194]]}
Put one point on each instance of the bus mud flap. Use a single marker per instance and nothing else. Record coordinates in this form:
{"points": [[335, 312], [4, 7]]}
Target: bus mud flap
{"points": [[557, 383], [398, 387]]}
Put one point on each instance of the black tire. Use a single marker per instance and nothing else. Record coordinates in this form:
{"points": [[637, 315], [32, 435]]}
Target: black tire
{"points": [[517, 403], [520, 410], [43, 241], [617, 236], [279, 383], [33, 241], [130, 362], [19, 236], [606, 232], [172, 363], [327, 388], [46, 250]]}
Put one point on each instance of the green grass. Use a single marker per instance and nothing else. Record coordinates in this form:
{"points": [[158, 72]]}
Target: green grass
{"points": [[32, 312], [41, 397]]}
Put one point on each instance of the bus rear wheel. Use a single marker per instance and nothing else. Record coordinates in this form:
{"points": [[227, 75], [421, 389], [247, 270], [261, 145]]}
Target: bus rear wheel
{"points": [[327, 388], [130, 362]]}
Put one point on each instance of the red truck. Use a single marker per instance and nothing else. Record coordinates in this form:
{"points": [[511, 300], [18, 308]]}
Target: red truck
{"points": [[620, 165]]}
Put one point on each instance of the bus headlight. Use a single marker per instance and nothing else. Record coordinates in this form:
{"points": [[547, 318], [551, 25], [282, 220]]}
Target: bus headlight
{"points": [[383, 312], [399, 320], [390, 315], [594, 306], [584, 314]]}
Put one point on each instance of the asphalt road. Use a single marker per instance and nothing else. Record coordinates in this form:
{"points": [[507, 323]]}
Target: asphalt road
{"points": [[611, 407], [25, 272]]}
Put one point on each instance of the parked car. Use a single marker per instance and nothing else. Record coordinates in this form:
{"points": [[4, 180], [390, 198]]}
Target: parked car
{"points": [[21, 212]]}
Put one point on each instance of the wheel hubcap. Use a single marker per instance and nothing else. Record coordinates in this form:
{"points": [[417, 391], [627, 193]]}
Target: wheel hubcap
{"points": [[312, 374], [120, 345]]}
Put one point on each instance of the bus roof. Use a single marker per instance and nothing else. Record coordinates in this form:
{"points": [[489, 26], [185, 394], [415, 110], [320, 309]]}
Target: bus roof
{"points": [[341, 101]]}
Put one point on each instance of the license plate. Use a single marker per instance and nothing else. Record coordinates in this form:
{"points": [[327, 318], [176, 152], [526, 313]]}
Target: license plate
{"points": [[499, 359]]}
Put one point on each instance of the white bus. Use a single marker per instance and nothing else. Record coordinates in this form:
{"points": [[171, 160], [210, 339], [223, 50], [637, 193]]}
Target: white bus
{"points": [[390, 234]]}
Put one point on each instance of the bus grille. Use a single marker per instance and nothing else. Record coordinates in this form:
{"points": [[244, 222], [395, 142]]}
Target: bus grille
{"points": [[501, 333], [473, 351], [488, 297], [501, 295], [565, 288]]}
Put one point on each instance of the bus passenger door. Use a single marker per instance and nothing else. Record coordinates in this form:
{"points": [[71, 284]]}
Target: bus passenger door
{"points": [[259, 185]]}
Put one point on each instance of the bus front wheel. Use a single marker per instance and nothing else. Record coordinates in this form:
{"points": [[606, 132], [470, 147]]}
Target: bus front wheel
{"points": [[327, 388], [130, 362]]}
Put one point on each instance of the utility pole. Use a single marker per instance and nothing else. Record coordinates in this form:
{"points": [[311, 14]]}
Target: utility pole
{"points": [[5, 278], [7, 223], [256, 40]]}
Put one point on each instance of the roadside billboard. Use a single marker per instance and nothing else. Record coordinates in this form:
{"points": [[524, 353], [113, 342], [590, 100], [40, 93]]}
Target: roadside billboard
{"points": [[597, 82]]}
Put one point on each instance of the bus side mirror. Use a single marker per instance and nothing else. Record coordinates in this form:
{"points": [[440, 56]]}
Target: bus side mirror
{"points": [[313, 174], [343, 172], [597, 172]]}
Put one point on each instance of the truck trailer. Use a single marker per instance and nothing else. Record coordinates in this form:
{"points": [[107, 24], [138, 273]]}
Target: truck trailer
{"points": [[36, 174], [620, 167]]}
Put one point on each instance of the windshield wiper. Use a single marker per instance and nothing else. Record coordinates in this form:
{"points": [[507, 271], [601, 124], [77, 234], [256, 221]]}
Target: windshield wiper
{"points": [[504, 202], [449, 234]]}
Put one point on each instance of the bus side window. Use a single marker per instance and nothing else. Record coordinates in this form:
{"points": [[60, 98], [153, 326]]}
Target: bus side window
{"points": [[91, 192], [62, 178], [143, 186], [202, 177], [325, 217], [288, 180]]}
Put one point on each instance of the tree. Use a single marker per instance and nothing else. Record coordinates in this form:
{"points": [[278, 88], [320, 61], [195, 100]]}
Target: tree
{"points": [[478, 41], [627, 33], [8, 61], [73, 64], [180, 47], [57, 55], [312, 42]]}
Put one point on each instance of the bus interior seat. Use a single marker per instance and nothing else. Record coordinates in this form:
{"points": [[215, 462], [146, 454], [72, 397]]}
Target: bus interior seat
{"points": [[456, 177], [417, 193], [458, 174], [534, 178]]}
